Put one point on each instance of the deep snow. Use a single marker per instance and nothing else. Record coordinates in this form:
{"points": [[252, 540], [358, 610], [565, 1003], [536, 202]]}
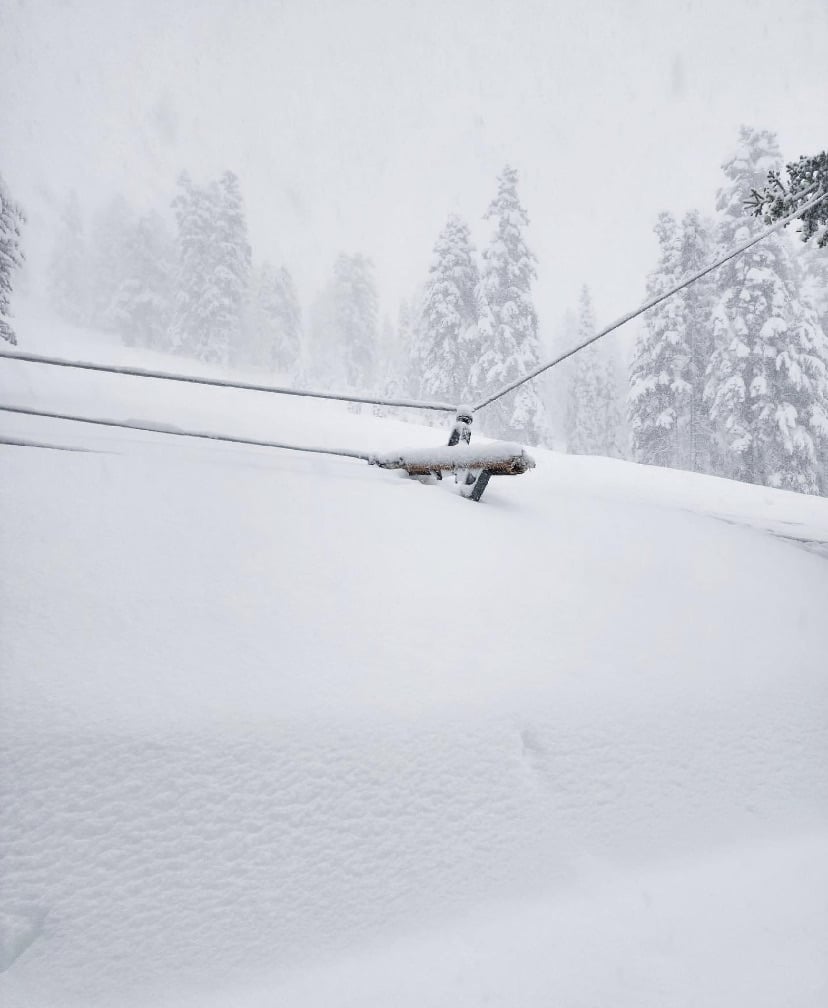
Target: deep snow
{"points": [[290, 730]]}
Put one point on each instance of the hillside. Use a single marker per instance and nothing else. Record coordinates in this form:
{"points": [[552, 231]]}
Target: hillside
{"points": [[282, 729]]}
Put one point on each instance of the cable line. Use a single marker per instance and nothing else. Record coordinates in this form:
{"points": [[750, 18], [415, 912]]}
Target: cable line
{"points": [[136, 372], [180, 432]]}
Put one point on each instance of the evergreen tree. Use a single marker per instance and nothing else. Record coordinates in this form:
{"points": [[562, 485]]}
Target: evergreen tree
{"points": [[695, 308], [814, 262], [510, 346], [592, 419], [660, 387], [355, 317], [11, 257], [390, 388], [278, 319], [324, 357], [140, 307], [448, 331], [111, 250], [410, 366], [405, 347], [766, 382], [388, 367], [775, 198], [213, 269], [556, 388], [387, 348], [68, 267], [416, 343], [230, 275], [584, 427], [397, 348], [611, 422], [192, 208], [667, 412]]}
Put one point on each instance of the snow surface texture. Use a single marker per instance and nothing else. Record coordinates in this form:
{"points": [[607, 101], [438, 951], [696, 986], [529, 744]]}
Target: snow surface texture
{"points": [[288, 730]]}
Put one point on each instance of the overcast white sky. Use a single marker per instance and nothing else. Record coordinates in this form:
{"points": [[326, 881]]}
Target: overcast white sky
{"points": [[358, 124]]}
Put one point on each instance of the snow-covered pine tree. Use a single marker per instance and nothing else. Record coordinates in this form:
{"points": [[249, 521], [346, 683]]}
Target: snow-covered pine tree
{"points": [[509, 341], [405, 351], [814, 262], [277, 319], [660, 392], [613, 434], [11, 257], [110, 253], [68, 266], [766, 381], [399, 348], [230, 275], [778, 197], [141, 306], [387, 346], [585, 427], [448, 333], [389, 383], [416, 344], [355, 307], [193, 214], [410, 367], [695, 307], [592, 417], [213, 268], [323, 357], [555, 388]]}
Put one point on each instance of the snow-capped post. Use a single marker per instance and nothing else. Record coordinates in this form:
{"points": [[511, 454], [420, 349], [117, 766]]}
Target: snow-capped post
{"points": [[461, 431], [461, 434]]}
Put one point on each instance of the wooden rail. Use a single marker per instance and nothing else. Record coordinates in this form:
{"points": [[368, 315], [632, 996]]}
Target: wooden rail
{"points": [[473, 467]]}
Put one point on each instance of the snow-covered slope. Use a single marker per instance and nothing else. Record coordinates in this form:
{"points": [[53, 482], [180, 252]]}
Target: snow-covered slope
{"points": [[289, 730]]}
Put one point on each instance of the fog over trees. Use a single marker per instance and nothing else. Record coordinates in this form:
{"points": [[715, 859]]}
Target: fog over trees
{"points": [[729, 376]]}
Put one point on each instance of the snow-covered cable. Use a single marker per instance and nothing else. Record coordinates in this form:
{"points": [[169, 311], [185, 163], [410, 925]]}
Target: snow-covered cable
{"points": [[180, 432], [653, 301], [135, 372]]}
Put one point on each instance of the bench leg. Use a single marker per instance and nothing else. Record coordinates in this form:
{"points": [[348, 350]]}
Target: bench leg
{"points": [[474, 489]]}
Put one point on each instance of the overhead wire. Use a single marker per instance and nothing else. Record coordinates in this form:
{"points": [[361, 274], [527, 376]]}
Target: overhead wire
{"points": [[181, 432], [135, 372]]}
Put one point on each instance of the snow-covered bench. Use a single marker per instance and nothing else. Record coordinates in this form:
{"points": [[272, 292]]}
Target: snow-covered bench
{"points": [[474, 465]]}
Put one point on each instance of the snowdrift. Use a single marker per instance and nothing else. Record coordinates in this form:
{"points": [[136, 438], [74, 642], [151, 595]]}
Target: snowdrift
{"points": [[290, 730]]}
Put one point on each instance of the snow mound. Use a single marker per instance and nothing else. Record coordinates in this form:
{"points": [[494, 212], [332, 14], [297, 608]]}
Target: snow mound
{"points": [[289, 730]]}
